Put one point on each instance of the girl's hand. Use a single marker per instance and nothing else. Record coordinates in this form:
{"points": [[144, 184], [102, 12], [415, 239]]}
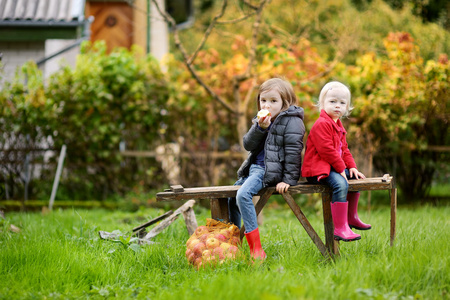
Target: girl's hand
{"points": [[344, 175], [357, 174], [282, 187], [264, 123]]}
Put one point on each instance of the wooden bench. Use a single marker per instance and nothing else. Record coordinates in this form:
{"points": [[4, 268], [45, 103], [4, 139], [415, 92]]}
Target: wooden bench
{"points": [[218, 196]]}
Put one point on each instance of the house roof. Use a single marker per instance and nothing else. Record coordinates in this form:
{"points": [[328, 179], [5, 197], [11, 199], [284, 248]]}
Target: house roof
{"points": [[41, 12]]}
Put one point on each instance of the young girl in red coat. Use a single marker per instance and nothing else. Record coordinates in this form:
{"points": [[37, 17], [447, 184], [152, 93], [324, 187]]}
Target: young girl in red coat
{"points": [[329, 161]]}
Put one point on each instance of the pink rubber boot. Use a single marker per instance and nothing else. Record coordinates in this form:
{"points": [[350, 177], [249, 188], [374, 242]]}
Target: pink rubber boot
{"points": [[254, 242], [342, 232], [353, 219]]}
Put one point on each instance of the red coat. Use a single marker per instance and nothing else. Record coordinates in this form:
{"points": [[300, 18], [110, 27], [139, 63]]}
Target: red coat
{"points": [[324, 141]]}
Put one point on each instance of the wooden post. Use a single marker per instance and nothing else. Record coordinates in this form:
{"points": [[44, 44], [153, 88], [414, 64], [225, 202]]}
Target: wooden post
{"points": [[306, 225], [219, 209], [393, 214], [62, 155], [331, 244], [190, 220]]}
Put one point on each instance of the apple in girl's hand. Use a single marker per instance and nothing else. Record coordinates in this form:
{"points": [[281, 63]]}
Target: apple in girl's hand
{"points": [[212, 243], [201, 230], [263, 113]]}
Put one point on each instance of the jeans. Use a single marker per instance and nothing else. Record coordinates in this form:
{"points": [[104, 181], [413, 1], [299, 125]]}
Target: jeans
{"points": [[242, 205], [338, 185]]}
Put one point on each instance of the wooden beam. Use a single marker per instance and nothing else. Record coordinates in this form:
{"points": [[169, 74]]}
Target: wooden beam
{"points": [[306, 225]]}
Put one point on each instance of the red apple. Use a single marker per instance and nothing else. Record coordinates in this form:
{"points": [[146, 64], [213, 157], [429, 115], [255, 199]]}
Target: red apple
{"points": [[188, 252], [192, 257], [235, 241], [198, 261], [198, 249], [192, 244], [219, 253], [221, 237], [233, 249], [226, 233], [201, 230], [212, 243], [204, 237]]}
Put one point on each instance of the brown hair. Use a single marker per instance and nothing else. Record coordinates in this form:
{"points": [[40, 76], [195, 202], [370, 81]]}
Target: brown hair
{"points": [[283, 87]]}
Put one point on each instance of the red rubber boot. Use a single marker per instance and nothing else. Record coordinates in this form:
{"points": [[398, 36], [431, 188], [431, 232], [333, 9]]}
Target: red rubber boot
{"points": [[342, 232], [254, 242], [353, 219]]}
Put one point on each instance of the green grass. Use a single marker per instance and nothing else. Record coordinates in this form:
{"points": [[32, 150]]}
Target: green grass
{"points": [[60, 256]]}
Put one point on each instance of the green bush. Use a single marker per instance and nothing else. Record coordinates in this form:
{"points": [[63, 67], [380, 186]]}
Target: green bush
{"points": [[106, 100]]}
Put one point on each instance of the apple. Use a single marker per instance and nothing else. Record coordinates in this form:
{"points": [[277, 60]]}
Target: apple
{"points": [[201, 230], [263, 113], [210, 260], [219, 253], [188, 252], [233, 249], [192, 257], [204, 237], [192, 244], [212, 243], [235, 241], [225, 246], [198, 261], [221, 237], [198, 249], [206, 253], [226, 233]]}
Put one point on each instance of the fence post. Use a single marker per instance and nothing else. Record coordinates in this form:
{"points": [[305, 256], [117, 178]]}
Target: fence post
{"points": [[57, 176]]}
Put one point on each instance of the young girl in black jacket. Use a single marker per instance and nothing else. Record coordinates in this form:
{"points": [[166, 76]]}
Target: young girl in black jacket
{"points": [[275, 143]]}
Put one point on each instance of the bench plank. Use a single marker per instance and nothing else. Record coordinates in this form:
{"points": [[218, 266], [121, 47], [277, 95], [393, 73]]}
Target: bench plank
{"points": [[216, 192], [218, 196]]}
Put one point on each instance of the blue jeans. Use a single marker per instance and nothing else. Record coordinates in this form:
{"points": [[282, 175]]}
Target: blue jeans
{"points": [[338, 185], [242, 204]]}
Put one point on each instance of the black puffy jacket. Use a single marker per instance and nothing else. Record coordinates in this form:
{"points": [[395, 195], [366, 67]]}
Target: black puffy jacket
{"points": [[283, 147]]}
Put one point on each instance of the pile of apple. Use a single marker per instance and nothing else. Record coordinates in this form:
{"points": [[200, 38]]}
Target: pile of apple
{"points": [[212, 246]]}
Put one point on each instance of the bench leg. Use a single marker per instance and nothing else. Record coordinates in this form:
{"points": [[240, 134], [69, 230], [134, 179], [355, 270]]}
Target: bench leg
{"points": [[219, 209], [258, 207], [306, 225], [331, 244], [393, 214]]}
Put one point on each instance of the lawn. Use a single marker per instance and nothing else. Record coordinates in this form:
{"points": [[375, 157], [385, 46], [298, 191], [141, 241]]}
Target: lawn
{"points": [[59, 255]]}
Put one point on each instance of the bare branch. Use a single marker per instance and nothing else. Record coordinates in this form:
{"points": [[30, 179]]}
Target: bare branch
{"points": [[254, 43], [234, 21], [208, 31], [250, 5], [190, 67]]}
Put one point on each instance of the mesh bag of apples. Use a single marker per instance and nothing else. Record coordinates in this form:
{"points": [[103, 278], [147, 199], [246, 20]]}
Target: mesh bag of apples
{"points": [[213, 244]]}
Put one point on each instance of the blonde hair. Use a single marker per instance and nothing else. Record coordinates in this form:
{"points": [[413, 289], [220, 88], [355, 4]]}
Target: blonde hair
{"points": [[341, 90], [283, 87]]}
